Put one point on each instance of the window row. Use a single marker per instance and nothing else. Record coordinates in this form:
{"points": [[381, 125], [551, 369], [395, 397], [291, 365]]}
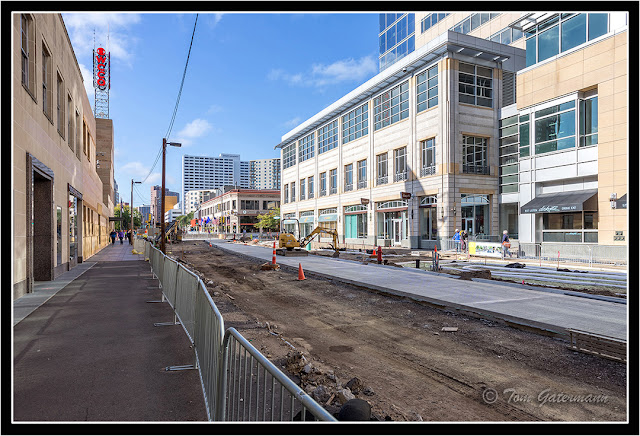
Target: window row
{"points": [[472, 22], [562, 32], [57, 104], [389, 107], [431, 20]]}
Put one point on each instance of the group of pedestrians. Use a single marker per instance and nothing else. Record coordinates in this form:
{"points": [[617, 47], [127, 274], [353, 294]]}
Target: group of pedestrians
{"points": [[120, 235], [460, 239]]}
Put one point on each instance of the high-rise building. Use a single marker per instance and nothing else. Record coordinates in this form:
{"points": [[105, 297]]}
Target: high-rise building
{"points": [[492, 122], [206, 172], [170, 199], [265, 173]]}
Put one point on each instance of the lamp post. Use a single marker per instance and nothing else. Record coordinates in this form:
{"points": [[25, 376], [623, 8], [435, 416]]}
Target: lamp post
{"points": [[131, 212], [164, 154]]}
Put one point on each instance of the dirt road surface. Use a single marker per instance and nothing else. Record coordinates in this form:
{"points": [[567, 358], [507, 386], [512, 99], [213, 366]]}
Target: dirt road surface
{"points": [[393, 352]]}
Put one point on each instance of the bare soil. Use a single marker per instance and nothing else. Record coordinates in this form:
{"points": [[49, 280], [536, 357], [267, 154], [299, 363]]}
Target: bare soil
{"points": [[393, 352]]}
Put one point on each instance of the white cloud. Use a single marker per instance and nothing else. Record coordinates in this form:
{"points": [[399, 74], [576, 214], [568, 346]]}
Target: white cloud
{"points": [[195, 129], [322, 75], [81, 29], [87, 76], [292, 122]]}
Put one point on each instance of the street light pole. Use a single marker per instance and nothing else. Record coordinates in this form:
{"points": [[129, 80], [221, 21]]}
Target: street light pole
{"points": [[164, 154], [131, 212]]}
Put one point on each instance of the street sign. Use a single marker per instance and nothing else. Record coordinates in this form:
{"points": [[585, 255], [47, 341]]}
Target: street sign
{"points": [[364, 201], [405, 195]]}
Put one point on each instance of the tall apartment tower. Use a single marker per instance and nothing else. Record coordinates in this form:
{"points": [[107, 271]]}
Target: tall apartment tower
{"points": [[265, 173], [483, 122], [206, 172], [171, 198]]}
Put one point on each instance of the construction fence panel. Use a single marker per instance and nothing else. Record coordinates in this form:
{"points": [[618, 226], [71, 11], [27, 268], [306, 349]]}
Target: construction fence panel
{"points": [[186, 286], [169, 280], [582, 253], [208, 336], [238, 382], [254, 389]]}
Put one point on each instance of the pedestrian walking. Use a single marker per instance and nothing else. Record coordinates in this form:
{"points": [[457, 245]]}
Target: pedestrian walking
{"points": [[456, 239], [463, 238], [121, 236], [113, 236], [129, 236], [506, 244]]}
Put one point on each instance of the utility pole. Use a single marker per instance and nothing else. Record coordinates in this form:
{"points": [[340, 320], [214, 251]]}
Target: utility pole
{"points": [[131, 212], [164, 155]]}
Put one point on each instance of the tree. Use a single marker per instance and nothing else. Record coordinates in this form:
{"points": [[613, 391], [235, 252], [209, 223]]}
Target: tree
{"points": [[125, 223], [185, 220], [269, 221]]}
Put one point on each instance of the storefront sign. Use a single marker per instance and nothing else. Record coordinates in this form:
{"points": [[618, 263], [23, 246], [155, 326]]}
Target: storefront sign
{"points": [[364, 201], [405, 195]]}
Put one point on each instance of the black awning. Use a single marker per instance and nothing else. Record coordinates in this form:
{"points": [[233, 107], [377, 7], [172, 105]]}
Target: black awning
{"points": [[558, 202]]}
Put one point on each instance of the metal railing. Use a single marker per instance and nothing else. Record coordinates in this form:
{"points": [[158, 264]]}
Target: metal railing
{"points": [[256, 390], [217, 355]]}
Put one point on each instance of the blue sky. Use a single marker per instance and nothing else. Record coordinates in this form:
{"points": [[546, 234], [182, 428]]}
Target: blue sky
{"points": [[251, 78]]}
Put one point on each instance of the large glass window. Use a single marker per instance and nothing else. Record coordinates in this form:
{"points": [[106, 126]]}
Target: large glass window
{"points": [[589, 121], [396, 38], [328, 137], [391, 106], [509, 219], [333, 181], [400, 164], [428, 157], [524, 135], [310, 187], [355, 124], [306, 148], [288, 156], [381, 165], [355, 221], [475, 214], [509, 154], [47, 101], [302, 189], [427, 88], [555, 128], [561, 33], [348, 177], [475, 85], [429, 218], [474, 155], [323, 184], [573, 32], [362, 174], [293, 191]]}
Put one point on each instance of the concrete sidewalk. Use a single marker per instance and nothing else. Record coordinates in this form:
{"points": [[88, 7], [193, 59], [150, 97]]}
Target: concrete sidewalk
{"points": [[515, 303], [90, 351]]}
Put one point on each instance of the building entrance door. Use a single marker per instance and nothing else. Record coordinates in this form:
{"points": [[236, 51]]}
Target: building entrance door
{"points": [[467, 224], [397, 231]]}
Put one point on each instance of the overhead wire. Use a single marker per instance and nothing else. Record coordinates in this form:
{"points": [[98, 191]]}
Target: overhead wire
{"points": [[175, 109]]}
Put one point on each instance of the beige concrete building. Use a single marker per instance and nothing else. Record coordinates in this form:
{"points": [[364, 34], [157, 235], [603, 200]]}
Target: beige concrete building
{"points": [[61, 205], [471, 119], [237, 210]]}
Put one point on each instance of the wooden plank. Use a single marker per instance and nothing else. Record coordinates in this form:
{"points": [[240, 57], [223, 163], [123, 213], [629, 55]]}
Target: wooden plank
{"points": [[599, 345]]}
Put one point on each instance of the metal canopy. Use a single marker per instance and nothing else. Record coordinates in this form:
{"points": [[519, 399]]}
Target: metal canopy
{"points": [[558, 202]]}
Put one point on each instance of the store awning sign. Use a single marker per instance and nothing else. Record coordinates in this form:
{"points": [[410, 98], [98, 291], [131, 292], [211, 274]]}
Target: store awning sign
{"points": [[558, 202]]}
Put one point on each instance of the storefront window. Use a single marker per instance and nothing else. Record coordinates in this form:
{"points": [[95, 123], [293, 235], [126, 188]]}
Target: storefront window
{"points": [[392, 221], [355, 221], [429, 218], [73, 226], [475, 214]]}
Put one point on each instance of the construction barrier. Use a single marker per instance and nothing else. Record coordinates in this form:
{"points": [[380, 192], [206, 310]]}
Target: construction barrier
{"points": [[223, 372], [256, 390]]}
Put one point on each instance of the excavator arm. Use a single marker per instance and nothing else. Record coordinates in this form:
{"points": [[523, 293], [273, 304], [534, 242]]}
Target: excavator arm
{"points": [[318, 230]]}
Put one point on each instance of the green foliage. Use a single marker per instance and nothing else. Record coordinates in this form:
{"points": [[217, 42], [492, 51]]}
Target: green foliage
{"points": [[268, 221]]}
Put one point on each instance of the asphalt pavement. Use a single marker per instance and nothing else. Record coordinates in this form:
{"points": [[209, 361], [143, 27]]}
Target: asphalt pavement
{"points": [[85, 348], [518, 304]]}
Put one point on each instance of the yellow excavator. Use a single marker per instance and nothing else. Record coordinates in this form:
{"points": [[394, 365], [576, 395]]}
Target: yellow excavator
{"points": [[289, 244]]}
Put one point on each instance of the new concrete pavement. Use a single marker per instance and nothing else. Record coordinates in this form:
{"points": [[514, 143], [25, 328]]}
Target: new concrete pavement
{"points": [[511, 302]]}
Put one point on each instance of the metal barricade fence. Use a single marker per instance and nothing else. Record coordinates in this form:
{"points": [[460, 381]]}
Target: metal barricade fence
{"points": [[256, 390], [217, 355]]}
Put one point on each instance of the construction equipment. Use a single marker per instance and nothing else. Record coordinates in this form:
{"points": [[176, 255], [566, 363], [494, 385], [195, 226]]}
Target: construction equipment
{"points": [[172, 232], [288, 244]]}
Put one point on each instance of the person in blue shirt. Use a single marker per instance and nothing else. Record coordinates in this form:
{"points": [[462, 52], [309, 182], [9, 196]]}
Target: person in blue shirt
{"points": [[456, 238]]}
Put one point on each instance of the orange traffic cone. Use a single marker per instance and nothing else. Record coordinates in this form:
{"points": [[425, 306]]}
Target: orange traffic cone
{"points": [[374, 251], [301, 273], [273, 259]]}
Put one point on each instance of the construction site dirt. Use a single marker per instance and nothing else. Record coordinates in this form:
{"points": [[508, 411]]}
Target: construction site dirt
{"points": [[409, 360]]}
